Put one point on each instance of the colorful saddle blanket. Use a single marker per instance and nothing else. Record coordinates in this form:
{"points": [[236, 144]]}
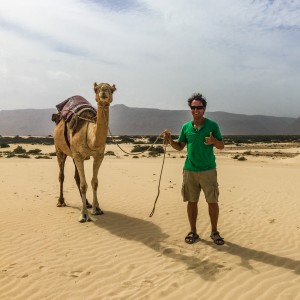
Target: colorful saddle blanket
{"points": [[72, 106]]}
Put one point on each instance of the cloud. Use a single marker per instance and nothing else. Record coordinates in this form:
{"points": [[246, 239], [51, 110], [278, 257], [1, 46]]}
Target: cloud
{"points": [[118, 5], [157, 52]]}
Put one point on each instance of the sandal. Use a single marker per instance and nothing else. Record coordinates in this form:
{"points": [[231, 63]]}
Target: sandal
{"points": [[218, 240], [191, 238]]}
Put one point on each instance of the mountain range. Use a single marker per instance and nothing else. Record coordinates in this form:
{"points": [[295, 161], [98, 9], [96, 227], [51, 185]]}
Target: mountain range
{"points": [[126, 120]]}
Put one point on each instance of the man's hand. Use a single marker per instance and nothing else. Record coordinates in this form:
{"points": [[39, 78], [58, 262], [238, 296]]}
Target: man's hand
{"points": [[174, 144], [210, 140], [167, 137], [213, 141]]}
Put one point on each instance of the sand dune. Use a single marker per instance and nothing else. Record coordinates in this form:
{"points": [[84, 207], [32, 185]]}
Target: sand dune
{"points": [[46, 254]]}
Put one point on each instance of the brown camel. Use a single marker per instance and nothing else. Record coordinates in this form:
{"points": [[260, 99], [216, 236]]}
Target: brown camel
{"points": [[89, 140]]}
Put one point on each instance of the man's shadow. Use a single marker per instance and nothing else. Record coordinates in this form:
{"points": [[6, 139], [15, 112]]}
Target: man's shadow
{"points": [[149, 234], [247, 255]]}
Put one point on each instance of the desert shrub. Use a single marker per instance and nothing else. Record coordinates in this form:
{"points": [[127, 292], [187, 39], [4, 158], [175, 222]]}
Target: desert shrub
{"points": [[34, 151], [23, 156], [247, 153], [43, 157], [10, 154], [135, 156], [236, 156], [27, 140], [4, 145], [242, 158], [19, 150], [158, 149], [110, 153], [126, 139], [109, 140], [52, 154], [139, 148], [152, 153], [155, 150]]}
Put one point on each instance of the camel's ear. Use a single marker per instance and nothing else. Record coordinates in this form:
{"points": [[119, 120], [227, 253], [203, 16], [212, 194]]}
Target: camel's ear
{"points": [[113, 88], [95, 87]]}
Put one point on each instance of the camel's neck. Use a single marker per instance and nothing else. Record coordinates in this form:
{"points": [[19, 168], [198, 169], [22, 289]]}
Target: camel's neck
{"points": [[101, 127]]}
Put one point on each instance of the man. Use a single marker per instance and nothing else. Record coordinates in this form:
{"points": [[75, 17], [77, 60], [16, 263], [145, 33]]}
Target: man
{"points": [[200, 135]]}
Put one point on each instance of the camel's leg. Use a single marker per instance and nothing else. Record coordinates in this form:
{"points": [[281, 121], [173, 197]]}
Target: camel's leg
{"points": [[96, 165], [79, 162], [77, 179], [61, 158]]}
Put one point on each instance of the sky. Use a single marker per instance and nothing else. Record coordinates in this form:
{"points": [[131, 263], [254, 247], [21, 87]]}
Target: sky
{"points": [[242, 55]]}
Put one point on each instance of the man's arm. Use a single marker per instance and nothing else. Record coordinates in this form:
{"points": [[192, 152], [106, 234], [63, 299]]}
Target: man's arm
{"points": [[219, 144], [175, 144]]}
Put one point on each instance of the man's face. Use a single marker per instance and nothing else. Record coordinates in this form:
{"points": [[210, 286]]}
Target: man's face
{"points": [[197, 109]]}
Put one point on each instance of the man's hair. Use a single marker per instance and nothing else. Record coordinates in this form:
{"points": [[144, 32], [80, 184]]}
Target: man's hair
{"points": [[198, 97]]}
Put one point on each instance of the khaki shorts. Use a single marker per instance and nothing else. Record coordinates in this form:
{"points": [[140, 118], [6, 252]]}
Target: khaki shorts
{"points": [[194, 182]]}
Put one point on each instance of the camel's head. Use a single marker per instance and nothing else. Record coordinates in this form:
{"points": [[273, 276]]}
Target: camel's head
{"points": [[104, 93]]}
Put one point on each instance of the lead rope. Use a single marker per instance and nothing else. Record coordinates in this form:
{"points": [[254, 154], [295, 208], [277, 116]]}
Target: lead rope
{"points": [[135, 153], [162, 166], [158, 188]]}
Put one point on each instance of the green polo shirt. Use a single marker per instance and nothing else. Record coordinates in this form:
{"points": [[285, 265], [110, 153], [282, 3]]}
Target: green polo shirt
{"points": [[200, 157]]}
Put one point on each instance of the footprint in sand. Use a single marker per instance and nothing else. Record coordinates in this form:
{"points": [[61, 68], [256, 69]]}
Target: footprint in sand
{"points": [[147, 283], [126, 284], [75, 273], [168, 251]]}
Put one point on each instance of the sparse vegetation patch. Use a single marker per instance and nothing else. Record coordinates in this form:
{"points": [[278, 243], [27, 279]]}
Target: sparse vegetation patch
{"points": [[4, 145], [34, 151], [19, 150]]}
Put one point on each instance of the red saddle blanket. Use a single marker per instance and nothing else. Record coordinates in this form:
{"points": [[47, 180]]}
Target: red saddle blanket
{"points": [[72, 105]]}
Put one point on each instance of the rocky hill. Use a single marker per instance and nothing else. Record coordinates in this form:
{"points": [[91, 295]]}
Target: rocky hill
{"points": [[147, 121]]}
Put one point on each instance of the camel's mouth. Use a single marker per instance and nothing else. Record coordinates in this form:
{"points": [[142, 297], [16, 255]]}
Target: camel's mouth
{"points": [[103, 96]]}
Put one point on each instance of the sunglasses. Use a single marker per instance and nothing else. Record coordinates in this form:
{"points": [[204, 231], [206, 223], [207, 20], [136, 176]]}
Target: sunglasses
{"points": [[197, 107]]}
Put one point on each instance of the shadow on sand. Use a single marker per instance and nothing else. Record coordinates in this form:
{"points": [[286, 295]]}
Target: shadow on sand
{"points": [[248, 255], [149, 234]]}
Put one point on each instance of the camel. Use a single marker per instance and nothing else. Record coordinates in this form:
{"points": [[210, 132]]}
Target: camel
{"points": [[89, 140]]}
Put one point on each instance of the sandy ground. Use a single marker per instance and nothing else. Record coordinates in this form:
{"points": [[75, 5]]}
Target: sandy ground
{"points": [[46, 253]]}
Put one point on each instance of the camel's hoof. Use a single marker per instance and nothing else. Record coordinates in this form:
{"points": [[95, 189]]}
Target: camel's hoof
{"points": [[97, 211], [61, 202], [84, 218]]}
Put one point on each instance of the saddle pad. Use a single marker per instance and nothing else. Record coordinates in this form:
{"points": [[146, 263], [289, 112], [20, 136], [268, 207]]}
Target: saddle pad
{"points": [[72, 105]]}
